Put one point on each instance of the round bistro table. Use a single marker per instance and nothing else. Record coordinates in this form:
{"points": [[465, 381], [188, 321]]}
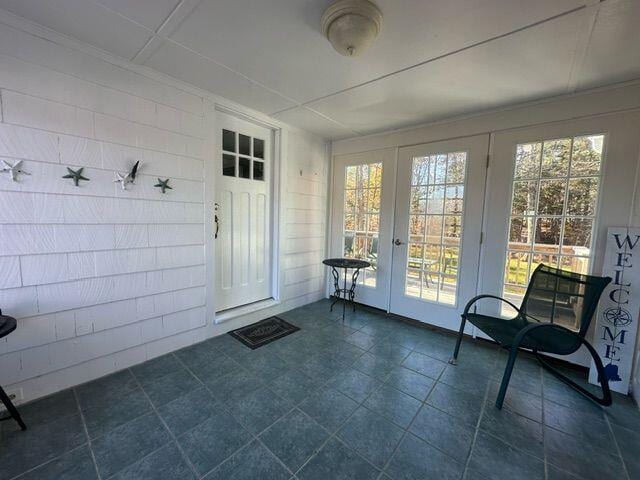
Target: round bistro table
{"points": [[347, 294]]}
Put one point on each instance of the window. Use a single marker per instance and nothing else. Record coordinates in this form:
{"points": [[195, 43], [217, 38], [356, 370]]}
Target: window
{"points": [[436, 210], [362, 194], [553, 208], [243, 156]]}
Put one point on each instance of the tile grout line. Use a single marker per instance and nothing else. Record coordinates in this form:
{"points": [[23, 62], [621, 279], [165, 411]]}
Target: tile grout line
{"points": [[407, 430], [255, 436], [615, 441], [542, 418], [361, 404], [86, 432], [344, 422], [164, 424], [22, 474], [477, 429]]}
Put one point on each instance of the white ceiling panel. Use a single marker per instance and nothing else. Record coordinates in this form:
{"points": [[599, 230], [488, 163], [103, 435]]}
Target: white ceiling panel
{"points": [[192, 68], [613, 52], [531, 64], [279, 42], [312, 122], [85, 21], [150, 13]]}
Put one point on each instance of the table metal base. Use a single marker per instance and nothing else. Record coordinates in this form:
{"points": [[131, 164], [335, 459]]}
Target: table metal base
{"points": [[346, 294]]}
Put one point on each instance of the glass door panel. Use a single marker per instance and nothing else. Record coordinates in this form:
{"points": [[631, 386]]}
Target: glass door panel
{"points": [[438, 220], [362, 216]]}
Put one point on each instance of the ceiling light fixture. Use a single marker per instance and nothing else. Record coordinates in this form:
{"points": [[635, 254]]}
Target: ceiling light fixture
{"points": [[351, 25]]}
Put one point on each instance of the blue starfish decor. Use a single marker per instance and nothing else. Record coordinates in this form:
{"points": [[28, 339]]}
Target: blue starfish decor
{"points": [[76, 175], [163, 185]]}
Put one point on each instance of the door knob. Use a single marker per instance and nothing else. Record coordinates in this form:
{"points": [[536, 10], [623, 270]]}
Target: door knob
{"points": [[397, 242]]}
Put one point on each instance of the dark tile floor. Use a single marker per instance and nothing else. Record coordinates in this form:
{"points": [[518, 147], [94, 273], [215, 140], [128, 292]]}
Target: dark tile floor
{"points": [[371, 399]]}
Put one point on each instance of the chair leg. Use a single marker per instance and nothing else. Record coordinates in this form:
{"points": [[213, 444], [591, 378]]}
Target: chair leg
{"points": [[454, 360], [606, 399], [13, 411], [508, 370]]}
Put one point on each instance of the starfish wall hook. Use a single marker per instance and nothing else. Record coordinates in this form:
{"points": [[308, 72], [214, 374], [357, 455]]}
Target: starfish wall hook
{"points": [[163, 185], [76, 175], [13, 169]]}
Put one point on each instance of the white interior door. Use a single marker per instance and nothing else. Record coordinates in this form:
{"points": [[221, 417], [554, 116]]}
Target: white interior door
{"points": [[438, 225], [243, 210], [362, 219]]}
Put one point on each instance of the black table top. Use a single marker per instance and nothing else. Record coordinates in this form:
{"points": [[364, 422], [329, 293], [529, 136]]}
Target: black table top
{"points": [[7, 325], [346, 263]]}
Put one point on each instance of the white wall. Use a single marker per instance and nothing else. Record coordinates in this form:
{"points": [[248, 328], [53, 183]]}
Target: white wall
{"points": [[614, 102], [101, 278]]}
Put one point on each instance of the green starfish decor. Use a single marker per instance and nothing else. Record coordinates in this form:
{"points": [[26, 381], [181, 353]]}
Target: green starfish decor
{"points": [[163, 184], [76, 175]]}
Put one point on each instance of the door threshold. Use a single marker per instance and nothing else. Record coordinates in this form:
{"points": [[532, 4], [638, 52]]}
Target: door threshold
{"points": [[224, 315]]}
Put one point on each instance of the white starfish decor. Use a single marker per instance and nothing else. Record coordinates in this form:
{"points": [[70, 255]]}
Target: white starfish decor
{"points": [[13, 169], [123, 179], [126, 178]]}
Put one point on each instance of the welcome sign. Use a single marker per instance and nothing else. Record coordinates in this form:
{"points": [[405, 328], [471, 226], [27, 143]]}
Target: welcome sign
{"points": [[617, 320]]}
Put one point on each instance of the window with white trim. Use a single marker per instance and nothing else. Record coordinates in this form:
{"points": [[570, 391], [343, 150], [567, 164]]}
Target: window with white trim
{"points": [[556, 185]]}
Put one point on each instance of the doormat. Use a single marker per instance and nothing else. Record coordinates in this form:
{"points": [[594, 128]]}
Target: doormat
{"points": [[263, 332]]}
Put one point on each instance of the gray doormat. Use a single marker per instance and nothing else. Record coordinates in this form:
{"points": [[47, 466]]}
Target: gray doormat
{"points": [[263, 332]]}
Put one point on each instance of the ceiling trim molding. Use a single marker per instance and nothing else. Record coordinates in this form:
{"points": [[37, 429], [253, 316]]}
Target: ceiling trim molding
{"points": [[181, 11], [161, 35], [534, 103], [64, 41], [583, 46]]}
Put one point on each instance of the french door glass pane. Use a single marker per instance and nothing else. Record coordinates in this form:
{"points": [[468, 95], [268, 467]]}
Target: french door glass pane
{"points": [[436, 208], [361, 221], [553, 207]]}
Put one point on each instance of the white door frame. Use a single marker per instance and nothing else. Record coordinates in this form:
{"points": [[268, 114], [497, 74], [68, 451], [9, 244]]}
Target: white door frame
{"points": [[212, 144]]}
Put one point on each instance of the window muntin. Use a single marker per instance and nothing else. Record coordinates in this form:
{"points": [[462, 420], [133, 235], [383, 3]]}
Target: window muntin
{"points": [[361, 218], [554, 202], [242, 156], [436, 208]]}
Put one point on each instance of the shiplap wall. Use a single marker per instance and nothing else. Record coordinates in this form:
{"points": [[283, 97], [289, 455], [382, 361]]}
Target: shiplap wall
{"points": [[100, 278]]}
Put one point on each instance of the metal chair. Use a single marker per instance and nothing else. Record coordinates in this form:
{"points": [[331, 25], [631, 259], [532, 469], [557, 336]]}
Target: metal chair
{"points": [[554, 317], [8, 325]]}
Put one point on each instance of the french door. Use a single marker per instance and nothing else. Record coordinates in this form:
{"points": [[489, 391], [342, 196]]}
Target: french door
{"points": [[437, 230], [242, 213], [416, 215], [362, 219]]}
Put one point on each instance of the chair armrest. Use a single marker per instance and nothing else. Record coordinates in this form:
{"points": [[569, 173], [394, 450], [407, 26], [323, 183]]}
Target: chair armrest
{"points": [[475, 299]]}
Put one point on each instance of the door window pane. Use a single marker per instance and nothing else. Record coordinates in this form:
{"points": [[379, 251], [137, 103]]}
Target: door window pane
{"points": [[244, 166], [362, 194], [244, 144], [554, 207], [258, 148], [436, 207], [528, 160], [524, 198], [228, 165], [555, 158], [229, 141], [258, 170]]}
